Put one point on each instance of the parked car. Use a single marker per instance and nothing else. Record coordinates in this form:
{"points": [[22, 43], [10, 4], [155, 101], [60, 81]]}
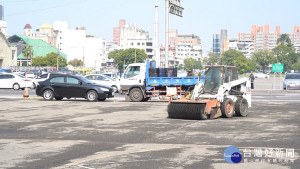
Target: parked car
{"points": [[261, 75], [44, 77], [111, 75], [104, 80], [5, 71], [291, 81], [65, 85], [35, 72], [13, 81], [29, 75]]}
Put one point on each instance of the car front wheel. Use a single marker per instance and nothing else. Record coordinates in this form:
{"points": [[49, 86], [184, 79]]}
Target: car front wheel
{"points": [[115, 89], [48, 95], [92, 96], [33, 86]]}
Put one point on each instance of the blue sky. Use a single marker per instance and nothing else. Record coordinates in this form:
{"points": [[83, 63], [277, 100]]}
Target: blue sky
{"points": [[200, 17]]}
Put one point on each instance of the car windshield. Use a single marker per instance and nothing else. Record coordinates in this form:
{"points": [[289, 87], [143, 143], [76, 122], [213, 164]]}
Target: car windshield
{"points": [[85, 80], [21, 76], [292, 76]]}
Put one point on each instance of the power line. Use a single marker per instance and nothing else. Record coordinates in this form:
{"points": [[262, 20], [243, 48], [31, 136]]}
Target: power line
{"points": [[16, 1], [49, 8]]}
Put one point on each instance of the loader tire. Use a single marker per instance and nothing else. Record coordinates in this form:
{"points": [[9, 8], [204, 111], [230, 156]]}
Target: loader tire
{"points": [[227, 108], [241, 107]]}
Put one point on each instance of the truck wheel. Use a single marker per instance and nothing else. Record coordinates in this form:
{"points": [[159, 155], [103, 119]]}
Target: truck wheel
{"points": [[227, 108], [241, 107], [136, 95]]}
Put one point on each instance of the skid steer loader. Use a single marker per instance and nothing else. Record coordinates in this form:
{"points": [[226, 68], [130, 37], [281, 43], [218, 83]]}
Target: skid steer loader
{"points": [[222, 94]]}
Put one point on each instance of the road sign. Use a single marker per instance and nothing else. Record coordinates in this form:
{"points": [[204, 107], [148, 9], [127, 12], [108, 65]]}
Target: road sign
{"points": [[277, 67], [175, 7]]}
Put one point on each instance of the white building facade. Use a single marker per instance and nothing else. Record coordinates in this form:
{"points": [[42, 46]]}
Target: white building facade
{"points": [[132, 36], [244, 46], [188, 51], [77, 45]]}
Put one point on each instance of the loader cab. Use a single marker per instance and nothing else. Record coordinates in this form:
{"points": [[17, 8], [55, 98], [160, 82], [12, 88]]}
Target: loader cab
{"points": [[217, 76], [213, 79]]}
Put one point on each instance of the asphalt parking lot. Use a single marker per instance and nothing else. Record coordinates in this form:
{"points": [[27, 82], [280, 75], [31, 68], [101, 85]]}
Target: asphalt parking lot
{"points": [[78, 134], [118, 134]]}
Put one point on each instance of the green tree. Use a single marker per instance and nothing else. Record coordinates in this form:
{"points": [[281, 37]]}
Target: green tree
{"points": [[27, 52], [190, 64], [238, 59], [212, 59], [39, 61], [198, 65], [112, 54], [284, 39], [180, 67], [128, 56], [264, 58], [286, 55], [51, 60], [75, 62], [229, 57], [296, 66]]}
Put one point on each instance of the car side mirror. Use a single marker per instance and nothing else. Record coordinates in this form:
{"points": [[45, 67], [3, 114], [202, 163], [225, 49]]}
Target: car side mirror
{"points": [[80, 83]]}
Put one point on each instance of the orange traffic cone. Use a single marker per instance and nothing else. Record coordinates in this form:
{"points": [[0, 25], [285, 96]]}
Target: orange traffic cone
{"points": [[26, 95]]}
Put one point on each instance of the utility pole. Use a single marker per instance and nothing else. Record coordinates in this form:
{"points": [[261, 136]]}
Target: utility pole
{"points": [[167, 35], [173, 7], [57, 58], [156, 40], [134, 55], [82, 57]]}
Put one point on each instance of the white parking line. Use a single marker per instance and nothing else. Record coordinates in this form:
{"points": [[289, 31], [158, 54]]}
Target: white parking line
{"points": [[273, 100], [82, 165]]}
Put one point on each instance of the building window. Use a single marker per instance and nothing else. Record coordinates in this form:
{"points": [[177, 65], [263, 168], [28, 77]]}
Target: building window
{"points": [[148, 50], [138, 43], [149, 44]]}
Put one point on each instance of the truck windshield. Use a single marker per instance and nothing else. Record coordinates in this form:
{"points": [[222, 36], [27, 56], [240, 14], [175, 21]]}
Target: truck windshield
{"points": [[132, 71], [213, 80]]}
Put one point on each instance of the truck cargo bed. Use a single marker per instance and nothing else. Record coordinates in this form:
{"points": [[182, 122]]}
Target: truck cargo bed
{"points": [[171, 81]]}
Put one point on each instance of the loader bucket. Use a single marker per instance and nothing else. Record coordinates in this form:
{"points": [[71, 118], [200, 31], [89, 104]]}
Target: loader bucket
{"points": [[194, 110]]}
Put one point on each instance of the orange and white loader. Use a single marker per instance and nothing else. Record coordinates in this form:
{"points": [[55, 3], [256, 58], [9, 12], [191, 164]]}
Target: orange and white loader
{"points": [[222, 94]]}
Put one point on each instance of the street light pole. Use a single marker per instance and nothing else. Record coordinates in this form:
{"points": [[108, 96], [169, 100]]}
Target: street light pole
{"points": [[167, 36], [57, 58], [174, 7], [156, 40]]}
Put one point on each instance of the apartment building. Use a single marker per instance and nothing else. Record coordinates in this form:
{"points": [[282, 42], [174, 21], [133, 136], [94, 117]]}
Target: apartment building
{"points": [[131, 36], [261, 36]]}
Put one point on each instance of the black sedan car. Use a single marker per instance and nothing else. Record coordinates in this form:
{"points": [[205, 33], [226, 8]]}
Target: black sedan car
{"points": [[65, 85]]}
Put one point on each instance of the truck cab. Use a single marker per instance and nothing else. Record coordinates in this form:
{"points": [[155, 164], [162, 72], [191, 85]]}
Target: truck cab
{"points": [[134, 77]]}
